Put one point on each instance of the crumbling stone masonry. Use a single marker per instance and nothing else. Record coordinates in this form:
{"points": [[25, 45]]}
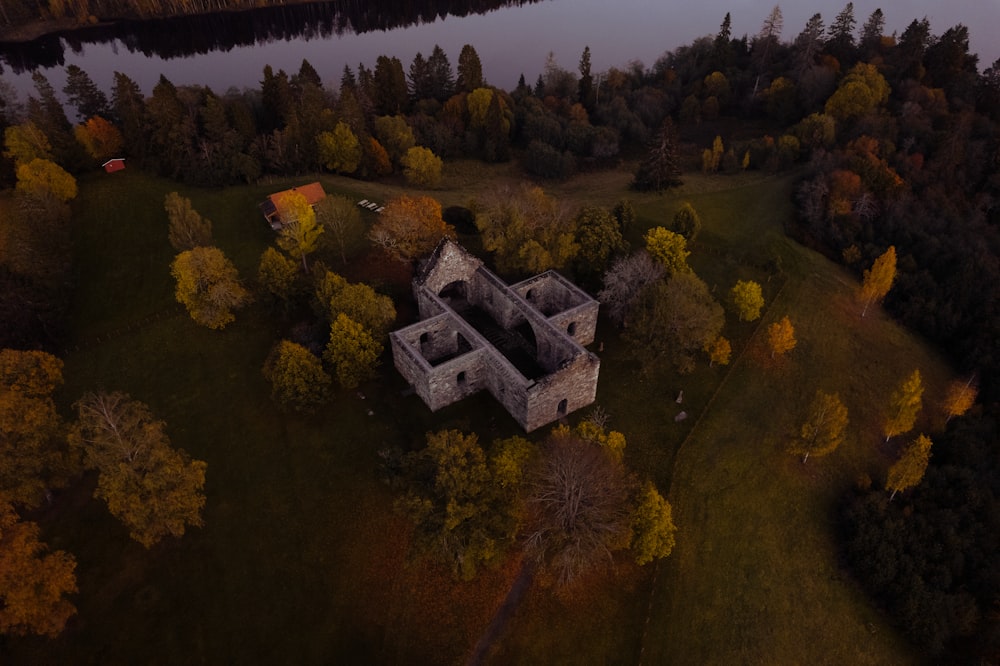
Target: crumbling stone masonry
{"points": [[523, 343]]}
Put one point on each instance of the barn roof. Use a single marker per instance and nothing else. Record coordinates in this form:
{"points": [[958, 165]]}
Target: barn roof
{"points": [[274, 208]]}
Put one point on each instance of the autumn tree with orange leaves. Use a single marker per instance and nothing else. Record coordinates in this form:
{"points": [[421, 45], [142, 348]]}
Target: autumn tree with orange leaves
{"points": [[99, 138], [410, 227], [33, 582], [781, 337]]}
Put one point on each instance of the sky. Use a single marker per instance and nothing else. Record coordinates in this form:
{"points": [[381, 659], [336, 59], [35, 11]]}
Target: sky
{"points": [[516, 40]]}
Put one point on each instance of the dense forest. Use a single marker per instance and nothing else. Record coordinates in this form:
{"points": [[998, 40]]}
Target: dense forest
{"points": [[896, 140]]}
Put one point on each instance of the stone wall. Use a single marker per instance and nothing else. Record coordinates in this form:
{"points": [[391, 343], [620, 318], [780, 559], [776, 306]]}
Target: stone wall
{"points": [[445, 359]]}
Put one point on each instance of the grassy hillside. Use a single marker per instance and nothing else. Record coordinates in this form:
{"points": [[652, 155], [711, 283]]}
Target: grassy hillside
{"points": [[301, 559]]}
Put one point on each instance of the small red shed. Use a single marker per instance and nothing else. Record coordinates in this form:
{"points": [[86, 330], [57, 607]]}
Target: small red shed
{"points": [[116, 164]]}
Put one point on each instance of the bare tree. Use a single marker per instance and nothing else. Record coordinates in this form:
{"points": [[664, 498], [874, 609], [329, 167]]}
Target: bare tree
{"points": [[579, 503], [624, 281]]}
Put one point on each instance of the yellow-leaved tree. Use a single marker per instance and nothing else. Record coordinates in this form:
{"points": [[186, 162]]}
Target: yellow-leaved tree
{"points": [[33, 582], [276, 273], [340, 149], [208, 285], [33, 454], [362, 304], [653, 529], [352, 351], [421, 167], [823, 430], [878, 280], [298, 380], [669, 249], [909, 470], [152, 488], [527, 230], [904, 405], [300, 231], [42, 179], [748, 298], [25, 142]]}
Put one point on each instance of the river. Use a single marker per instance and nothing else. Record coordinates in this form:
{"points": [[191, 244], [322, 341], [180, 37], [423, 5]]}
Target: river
{"points": [[511, 39]]}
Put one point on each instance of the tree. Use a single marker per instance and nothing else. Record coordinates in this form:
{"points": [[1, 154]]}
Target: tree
{"points": [[808, 45], [599, 237], [352, 351], [421, 167], [300, 232], [188, 229], [711, 158], [42, 179], [419, 78], [47, 113], [861, 91], [99, 138], [390, 92], [527, 230], [33, 582], [909, 470], [719, 351], [33, 457], [624, 281], [660, 169], [959, 397], [339, 150], [653, 530], [841, 42], [341, 221], [673, 320], [298, 381], [82, 93], [781, 337], [496, 131], [26, 142], [470, 70], [276, 273], [129, 113], [766, 43], [154, 489], [823, 430], [462, 502], [748, 298], [208, 286], [578, 501], [904, 405], [878, 280], [362, 304], [395, 135], [668, 248], [871, 33], [478, 103], [585, 87], [442, 80], [687, 222], [410, 227]]}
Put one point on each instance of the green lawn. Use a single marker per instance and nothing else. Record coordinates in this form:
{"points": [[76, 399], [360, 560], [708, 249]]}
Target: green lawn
{"points": [[301, 559]]}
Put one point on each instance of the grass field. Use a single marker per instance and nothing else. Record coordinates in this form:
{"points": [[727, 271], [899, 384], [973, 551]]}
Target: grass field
{"points": [[301, 559]]}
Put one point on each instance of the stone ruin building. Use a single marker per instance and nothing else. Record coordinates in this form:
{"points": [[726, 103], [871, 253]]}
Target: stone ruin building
{"points": [[523, 343]]}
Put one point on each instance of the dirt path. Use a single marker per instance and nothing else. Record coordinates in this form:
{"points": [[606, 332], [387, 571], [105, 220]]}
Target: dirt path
{"points": [[503, 614]]}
